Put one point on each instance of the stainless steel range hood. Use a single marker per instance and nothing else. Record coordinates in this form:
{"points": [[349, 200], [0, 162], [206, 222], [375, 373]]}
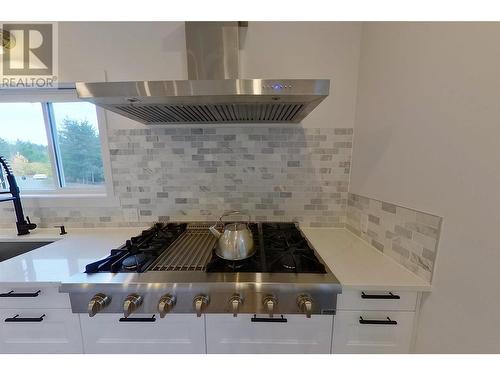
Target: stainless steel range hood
{"points": [[213, 93]]}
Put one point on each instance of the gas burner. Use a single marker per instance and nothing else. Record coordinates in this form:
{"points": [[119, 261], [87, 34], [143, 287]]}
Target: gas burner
{"points": [[282, 249], [287, 261], [133, 262], [251, 264], [235, 265], [139, 252]]}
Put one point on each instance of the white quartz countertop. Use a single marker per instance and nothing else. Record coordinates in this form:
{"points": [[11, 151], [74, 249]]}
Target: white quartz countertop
{"points": [[66, 256], [356, 264]]}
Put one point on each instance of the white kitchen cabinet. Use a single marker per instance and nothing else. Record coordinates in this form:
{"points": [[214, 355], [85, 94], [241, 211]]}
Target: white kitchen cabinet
{"points": [[32, 295], [56, 331], [176, 333], [376, 300], [362, 324], [228, 334], [351, 336]]}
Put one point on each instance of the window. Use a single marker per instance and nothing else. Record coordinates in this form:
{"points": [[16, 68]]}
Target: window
{"points": [[77, 144], [23, 141], [52, 146]]}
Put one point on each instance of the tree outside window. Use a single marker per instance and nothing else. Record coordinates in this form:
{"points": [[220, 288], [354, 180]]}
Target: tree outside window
{"points": [[72, 160]]}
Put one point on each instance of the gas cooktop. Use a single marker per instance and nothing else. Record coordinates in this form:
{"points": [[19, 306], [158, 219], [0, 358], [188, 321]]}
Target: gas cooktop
{"points": [[281, 248], [172, 267]]}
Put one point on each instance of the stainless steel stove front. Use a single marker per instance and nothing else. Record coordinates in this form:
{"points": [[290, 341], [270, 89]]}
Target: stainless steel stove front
{"points": [[227, 297], [177, 282]]}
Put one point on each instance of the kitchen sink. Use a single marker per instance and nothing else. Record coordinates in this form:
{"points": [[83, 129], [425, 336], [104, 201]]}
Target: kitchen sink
{"points": [[11, 249]]}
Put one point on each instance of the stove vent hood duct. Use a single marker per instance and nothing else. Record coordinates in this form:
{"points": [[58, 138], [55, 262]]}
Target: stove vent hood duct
{"points": [[213, 93]]}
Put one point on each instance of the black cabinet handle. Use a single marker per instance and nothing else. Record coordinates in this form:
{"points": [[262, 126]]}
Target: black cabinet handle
{"points": [[384, 322], [268, 320], [379, 296], [15, 319], [13, 294], [152, 319]]}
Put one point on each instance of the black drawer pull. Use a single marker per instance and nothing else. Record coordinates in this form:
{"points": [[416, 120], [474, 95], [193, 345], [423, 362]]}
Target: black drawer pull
{"points": [[15, 319], [379, 296], [12, 294], [152, 319], [385, 322], [269, 320]]}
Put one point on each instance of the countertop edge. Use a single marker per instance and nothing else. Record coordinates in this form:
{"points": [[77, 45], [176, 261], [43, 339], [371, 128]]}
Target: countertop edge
{"points": [[407, 283]]}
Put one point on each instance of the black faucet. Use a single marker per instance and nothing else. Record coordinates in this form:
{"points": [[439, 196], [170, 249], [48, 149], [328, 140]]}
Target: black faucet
{"points": [[23, 226]]}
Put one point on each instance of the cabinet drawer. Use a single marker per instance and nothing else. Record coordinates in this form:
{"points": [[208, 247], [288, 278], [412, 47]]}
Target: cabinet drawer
{"points": [[39, 331], [176, 333], [376, 300], [371, 332], [227, 334], [28, 296]]}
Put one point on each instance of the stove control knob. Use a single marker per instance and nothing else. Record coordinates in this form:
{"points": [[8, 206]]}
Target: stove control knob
{"points": [[200, 303], [270, 303], [305, 304], [165, 304], [131, 303], [235, 301], [97, 303]]}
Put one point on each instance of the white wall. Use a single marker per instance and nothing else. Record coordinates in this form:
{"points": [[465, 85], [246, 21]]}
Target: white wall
{"points": [[126, 51], [427, 136], [308, 50], [156, 50]]}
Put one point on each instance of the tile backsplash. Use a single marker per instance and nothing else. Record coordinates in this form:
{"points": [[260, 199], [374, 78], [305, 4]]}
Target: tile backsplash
{"points": [[408, 236], [276, 173]]}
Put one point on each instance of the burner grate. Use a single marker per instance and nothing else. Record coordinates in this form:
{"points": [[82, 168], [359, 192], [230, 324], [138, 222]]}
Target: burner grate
{"points": [[190, 252]]}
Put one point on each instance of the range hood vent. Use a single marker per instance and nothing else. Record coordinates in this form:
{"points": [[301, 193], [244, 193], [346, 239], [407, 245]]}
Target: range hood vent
{"points": [[156, 114], [213, 93]]}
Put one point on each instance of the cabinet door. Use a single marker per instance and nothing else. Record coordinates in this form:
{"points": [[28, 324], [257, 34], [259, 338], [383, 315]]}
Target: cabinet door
{"points": [[227, 334], [360, 300], [57, 332], [176, 333], [352, 336], [29, 296]]}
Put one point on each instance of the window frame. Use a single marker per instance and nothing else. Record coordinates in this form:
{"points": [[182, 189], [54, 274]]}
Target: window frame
{"points": [[45, 97]]}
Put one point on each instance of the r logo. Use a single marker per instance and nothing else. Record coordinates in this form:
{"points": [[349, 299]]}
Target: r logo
{"points": [[28, 49]]}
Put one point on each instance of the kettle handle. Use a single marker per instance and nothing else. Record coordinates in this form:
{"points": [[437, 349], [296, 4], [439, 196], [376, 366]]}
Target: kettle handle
{"points": [[232, 213]]}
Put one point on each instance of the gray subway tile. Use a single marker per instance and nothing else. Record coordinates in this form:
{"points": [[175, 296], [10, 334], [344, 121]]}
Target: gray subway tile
{"points": [[389, 207], [377, 245], [401, 250], [429, 254], [403, 231]]}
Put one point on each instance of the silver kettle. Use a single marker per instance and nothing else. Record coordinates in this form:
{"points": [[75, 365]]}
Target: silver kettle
{"points": [[236, 240]]}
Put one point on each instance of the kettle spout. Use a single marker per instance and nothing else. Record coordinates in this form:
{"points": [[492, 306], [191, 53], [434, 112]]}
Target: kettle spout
{"points": [[214, 231]]}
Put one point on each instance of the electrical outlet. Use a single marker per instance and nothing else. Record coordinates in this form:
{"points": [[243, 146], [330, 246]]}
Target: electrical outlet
{"points": [[364, 223]]}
